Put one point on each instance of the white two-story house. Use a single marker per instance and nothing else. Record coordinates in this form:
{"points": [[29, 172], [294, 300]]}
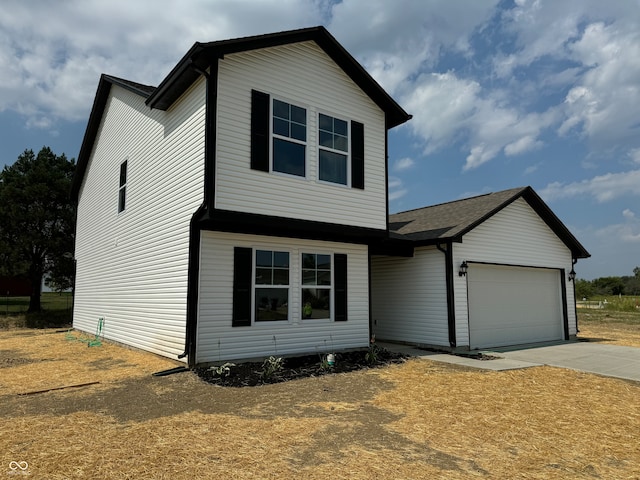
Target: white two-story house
{"points": [[229, 212], [239, 209]]}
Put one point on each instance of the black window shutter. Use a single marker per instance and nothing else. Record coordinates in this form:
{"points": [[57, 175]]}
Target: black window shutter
{"points": [[242, 268], [259, 131], [340, 281], [357, 155]]}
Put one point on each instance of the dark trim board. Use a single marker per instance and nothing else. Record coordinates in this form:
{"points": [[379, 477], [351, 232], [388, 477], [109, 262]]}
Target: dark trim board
{"points": [[512, 265], [193, 286], [249, 223], [451, 309], [565, 309]]}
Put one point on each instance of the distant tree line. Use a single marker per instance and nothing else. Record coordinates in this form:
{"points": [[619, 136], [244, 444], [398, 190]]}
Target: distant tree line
{"points": [[626, 285]]}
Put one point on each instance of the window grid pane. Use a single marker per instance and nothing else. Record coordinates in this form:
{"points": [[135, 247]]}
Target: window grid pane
{"points": [[316, 303], [272, 268], [272, 304], [289, 121], [288, 157], [333, 167]]}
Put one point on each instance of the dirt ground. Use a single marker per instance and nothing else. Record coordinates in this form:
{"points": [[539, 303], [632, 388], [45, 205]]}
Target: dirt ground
{"points": [[417, 420]]}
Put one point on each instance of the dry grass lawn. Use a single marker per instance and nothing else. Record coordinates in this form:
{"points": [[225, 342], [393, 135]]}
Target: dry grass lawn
{"points": [[417, 420], [615, 328]]}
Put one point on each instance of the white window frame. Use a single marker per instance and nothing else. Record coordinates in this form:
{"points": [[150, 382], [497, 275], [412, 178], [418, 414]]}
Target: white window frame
{"points": [[273, 136], [333, 150], [254, 286], [302, 286]]}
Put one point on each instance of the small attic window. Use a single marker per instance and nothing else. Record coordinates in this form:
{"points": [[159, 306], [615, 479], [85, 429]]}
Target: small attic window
{"points": [[122, 191]]}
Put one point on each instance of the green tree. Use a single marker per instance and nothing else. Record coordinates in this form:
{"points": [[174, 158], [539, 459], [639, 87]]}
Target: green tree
{"points": [[609, 285], [584, 289], [38, 218]]}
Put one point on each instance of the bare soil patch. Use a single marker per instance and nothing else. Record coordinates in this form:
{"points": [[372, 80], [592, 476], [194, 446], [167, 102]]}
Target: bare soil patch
{"points": [[418, 419]]}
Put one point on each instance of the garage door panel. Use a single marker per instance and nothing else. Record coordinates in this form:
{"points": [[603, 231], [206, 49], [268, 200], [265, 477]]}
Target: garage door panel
{"points": [[513, 305]]}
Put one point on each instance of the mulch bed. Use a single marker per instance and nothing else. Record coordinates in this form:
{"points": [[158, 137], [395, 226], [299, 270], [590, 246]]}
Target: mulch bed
{"points": [[251, 374]]}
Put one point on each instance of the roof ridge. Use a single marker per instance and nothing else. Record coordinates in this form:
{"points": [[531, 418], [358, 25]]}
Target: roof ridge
{"points": [[461, 200]]}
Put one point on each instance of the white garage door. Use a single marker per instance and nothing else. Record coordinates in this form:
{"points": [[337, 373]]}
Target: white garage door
{"points": [[513, 305]]}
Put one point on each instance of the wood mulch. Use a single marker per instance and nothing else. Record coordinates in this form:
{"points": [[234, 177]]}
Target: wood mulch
{"points": [[417, 419], [250, 374]]}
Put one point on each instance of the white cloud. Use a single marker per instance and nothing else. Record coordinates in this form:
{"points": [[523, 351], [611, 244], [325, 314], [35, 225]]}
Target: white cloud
{"points": [[626, 232], [603, 105], [403, 164], [394, 40], [396, 189], [524, 144], [51, 55], [603, 188], [531, 169], [594, 48], [465, 112]]}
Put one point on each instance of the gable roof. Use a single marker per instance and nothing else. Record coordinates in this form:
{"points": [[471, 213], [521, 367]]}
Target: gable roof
{"points": [[198, 58], [449, 222], [95, 117], [201, 54]]}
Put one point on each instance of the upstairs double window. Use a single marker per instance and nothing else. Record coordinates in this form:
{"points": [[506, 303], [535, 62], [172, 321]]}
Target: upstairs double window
{"points": [[282, 141]]}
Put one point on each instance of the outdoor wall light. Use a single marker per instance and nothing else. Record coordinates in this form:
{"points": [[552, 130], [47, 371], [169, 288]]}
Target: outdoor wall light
{"points": [[572, 275], [463, 269]]}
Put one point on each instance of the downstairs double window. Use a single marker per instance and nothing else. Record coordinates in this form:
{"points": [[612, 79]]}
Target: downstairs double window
{"points": [[276, 285]]}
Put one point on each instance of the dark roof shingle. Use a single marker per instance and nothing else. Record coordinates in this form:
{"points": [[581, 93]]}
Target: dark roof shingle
{"points": [[450, 221]]}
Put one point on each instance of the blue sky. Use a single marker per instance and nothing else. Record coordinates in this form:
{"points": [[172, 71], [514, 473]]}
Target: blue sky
{"points": [[503, 93]]}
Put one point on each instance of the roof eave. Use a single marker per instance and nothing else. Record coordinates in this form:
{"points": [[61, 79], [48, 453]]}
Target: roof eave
{"points": [[555, 224], [182, 75], [99, 103]]}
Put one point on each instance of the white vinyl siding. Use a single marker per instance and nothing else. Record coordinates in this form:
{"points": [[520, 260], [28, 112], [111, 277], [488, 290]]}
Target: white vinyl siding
{"points": [[409, 298], [303, 75], [132, 267], [218, 340], [514, 236]]}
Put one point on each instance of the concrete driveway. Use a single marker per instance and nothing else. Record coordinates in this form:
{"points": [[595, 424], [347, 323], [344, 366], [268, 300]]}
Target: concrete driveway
{"points": [[608, 360]]}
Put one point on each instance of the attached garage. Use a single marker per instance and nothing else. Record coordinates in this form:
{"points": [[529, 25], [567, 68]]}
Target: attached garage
{"points": [[487, 271], [514, 305]]}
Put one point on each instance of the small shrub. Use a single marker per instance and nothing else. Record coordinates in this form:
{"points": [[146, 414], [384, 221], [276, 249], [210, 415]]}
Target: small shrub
{"points": [[223, 370], [371, 356], [270, 367]]}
